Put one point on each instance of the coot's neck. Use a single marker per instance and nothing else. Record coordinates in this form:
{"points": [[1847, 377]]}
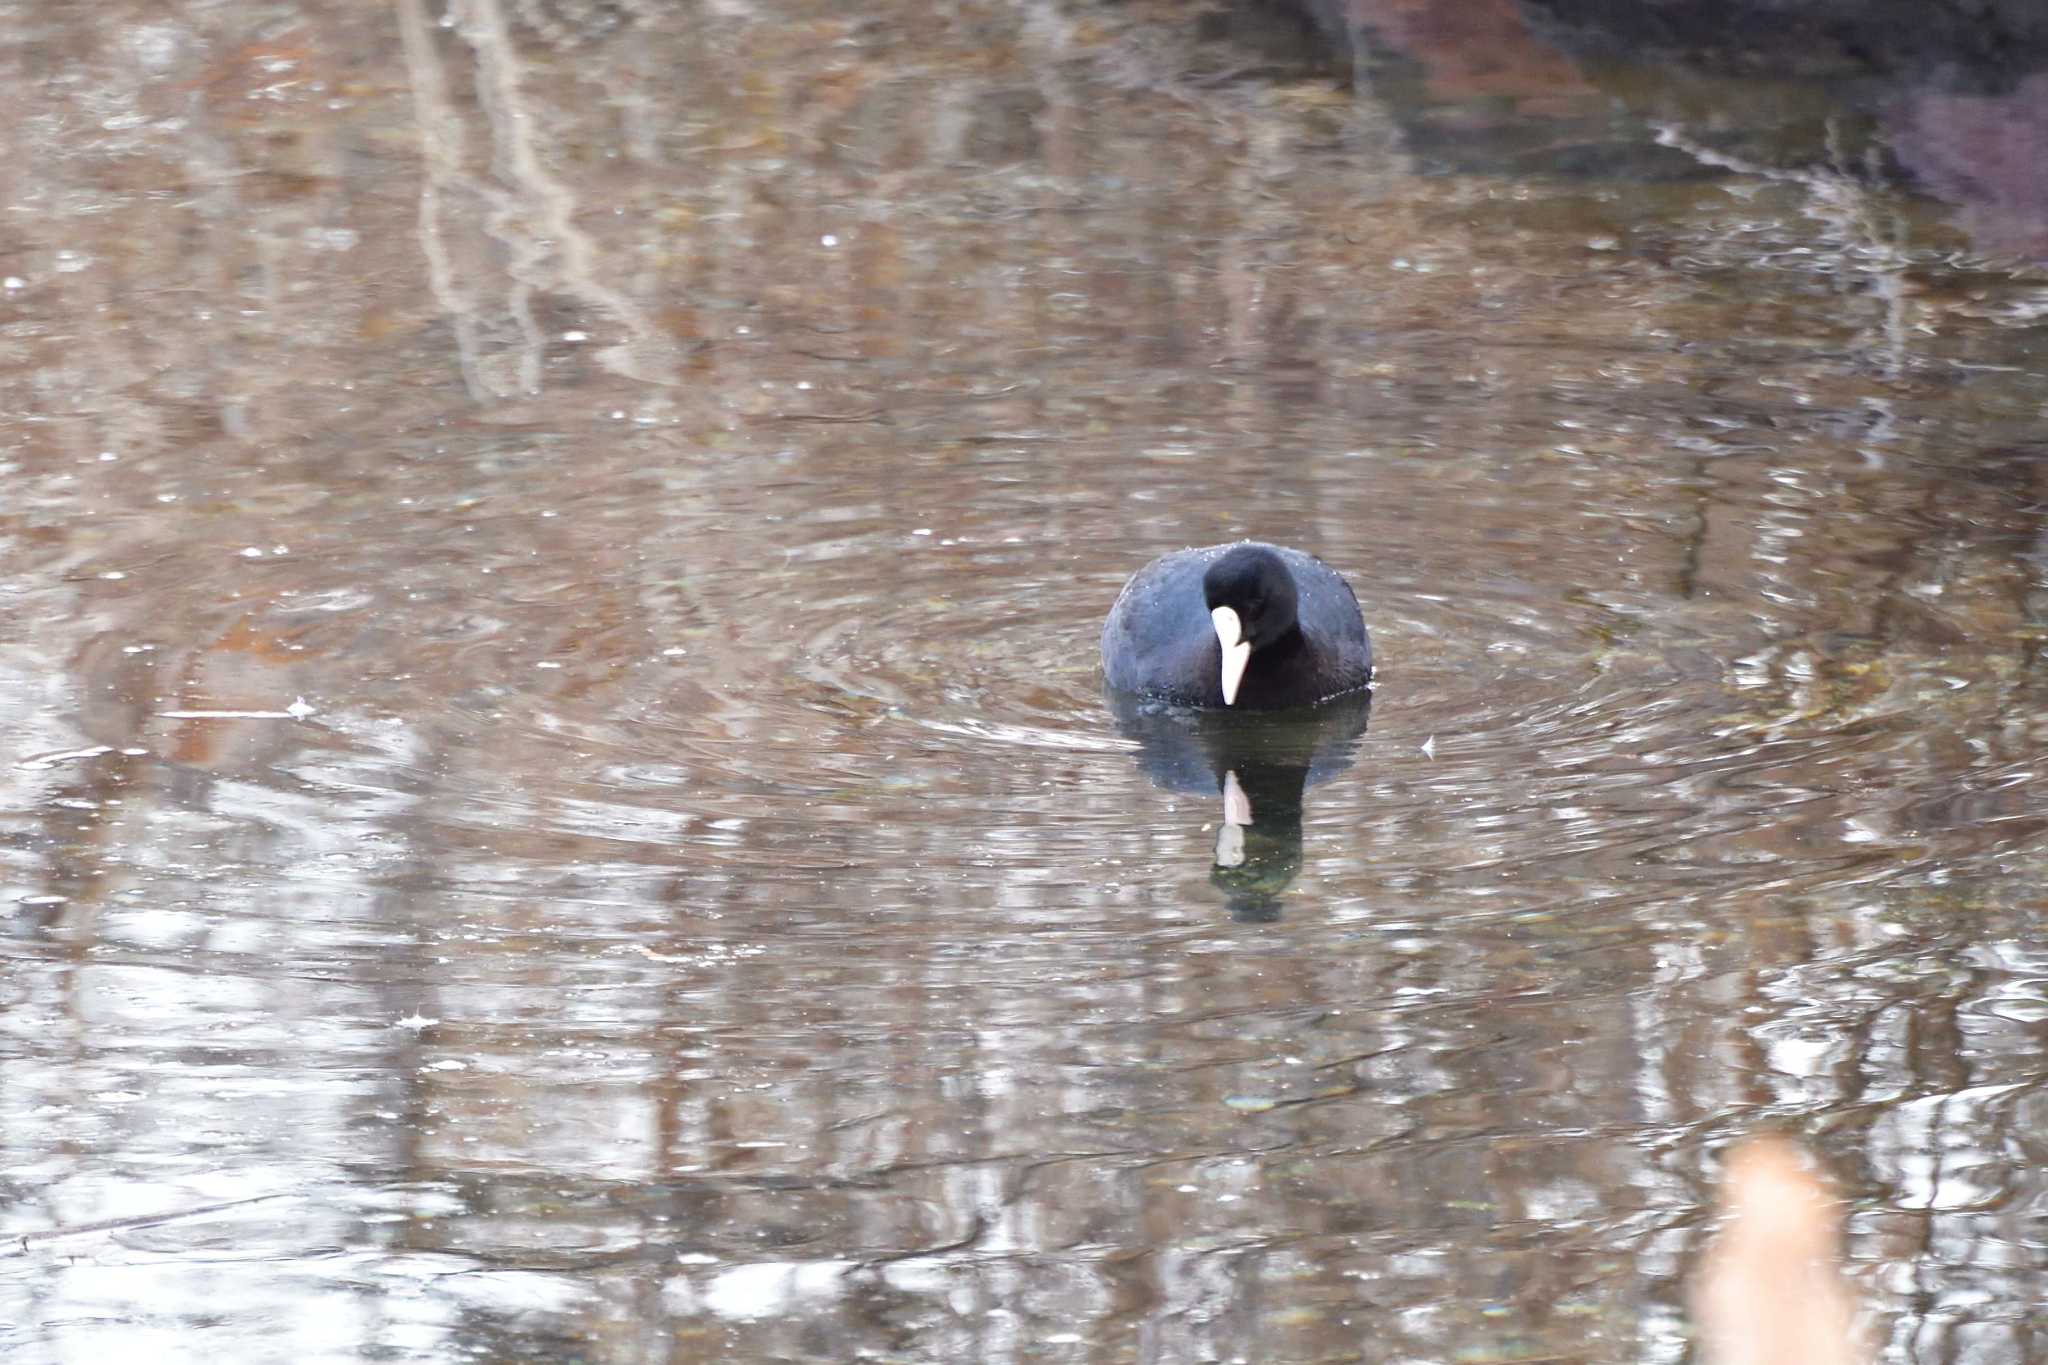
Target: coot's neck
{"points": [[1282, 650], [1276, 667]]}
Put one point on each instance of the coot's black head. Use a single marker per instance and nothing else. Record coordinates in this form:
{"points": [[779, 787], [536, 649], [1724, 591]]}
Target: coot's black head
{"points": [[1251, 599], [1253, 581]]}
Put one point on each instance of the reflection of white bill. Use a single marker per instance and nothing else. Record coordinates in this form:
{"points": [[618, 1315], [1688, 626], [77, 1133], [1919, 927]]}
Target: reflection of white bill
{"points": [[1237, 813], [1230, 846], [1237, 807]]}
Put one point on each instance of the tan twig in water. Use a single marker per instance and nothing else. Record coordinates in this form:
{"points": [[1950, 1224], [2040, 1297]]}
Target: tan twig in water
{"points": [[1772, 1290]]}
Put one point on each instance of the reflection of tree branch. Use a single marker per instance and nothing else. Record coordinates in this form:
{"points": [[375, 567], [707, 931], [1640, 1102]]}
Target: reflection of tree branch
{"points": [[1843, 203], [513, 119], [977, 1228], [532, 213], [22, 1240], [441, 145]]}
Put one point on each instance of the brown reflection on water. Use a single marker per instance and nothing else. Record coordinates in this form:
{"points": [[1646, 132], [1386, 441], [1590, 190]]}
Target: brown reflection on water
{"points": [[561, 806]]}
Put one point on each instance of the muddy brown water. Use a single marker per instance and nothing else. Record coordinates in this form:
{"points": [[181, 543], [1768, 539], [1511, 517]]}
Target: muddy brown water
{"points": [[557, 801]]}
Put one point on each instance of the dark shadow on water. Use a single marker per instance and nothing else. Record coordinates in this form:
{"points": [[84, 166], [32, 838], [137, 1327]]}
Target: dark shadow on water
{"points": [[1257, 766], [1946, 99]]}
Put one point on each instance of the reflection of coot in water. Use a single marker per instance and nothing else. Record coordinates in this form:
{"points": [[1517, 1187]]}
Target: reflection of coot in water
{"points": [[1252, 626], [1257, 765]]}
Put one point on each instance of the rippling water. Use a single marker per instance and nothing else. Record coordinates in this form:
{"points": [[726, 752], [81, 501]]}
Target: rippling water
{"points": [[561, 806]]}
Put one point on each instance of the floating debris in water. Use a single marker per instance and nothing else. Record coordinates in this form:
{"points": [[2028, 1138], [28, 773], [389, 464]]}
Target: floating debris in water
{"points": [[298, 710], [50, 760]]}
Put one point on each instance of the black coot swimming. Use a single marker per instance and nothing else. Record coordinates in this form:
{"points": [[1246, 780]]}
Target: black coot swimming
{"points": [[1250, 625]]}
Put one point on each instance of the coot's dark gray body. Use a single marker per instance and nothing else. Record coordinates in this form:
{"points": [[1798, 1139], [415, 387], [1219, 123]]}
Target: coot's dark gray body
{"points": [[1160, 641]]}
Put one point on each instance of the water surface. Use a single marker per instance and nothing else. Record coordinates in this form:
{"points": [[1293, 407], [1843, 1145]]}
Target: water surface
{"points": [[559, 804]]}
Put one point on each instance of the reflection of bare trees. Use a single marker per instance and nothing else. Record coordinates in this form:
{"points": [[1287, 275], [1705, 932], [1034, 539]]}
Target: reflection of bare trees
{"points": [[531, 213], [1859, 221], [707, 917]]}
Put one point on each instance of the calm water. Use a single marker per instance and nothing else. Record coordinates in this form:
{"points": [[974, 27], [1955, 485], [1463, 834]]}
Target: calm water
{"points": [[558, 805]]}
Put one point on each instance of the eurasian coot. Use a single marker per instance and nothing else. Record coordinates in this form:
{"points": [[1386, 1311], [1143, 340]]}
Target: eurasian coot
{"points": [[1251, 625]]}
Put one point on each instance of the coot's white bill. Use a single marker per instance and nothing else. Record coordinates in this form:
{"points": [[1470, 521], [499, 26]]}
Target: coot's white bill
{"points": [[1237, 651]]}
